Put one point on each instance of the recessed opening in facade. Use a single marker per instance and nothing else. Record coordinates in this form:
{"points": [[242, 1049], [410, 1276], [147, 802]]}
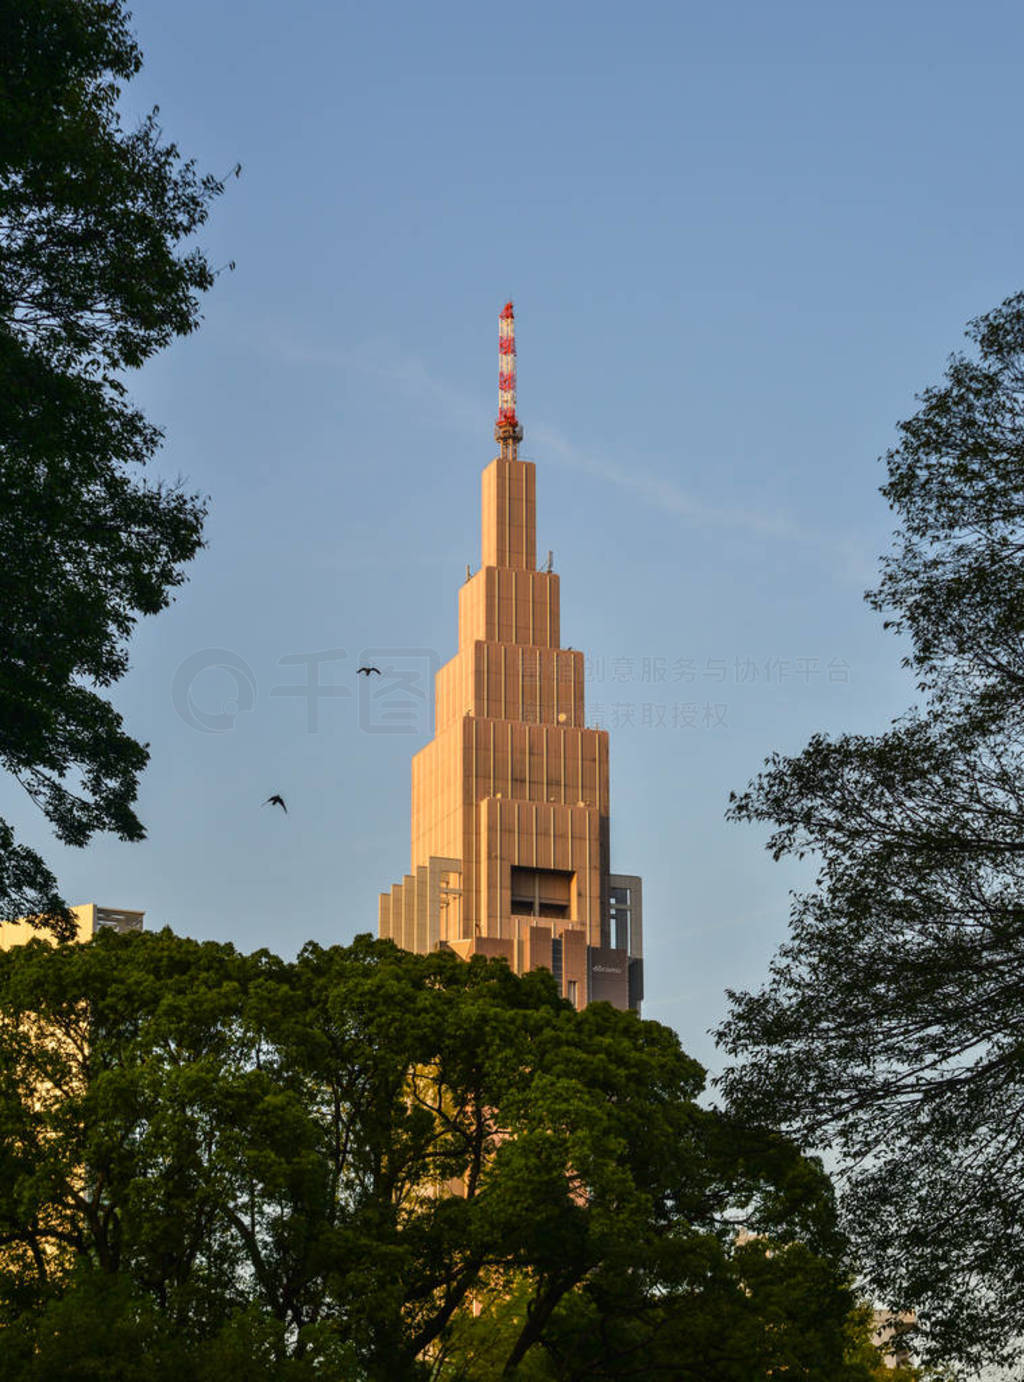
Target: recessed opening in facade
{"points": [[619, 908], [541, 893]]}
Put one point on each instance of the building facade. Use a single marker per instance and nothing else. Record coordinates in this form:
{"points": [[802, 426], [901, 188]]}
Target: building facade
{"points": [[510, 847], [89, 919]]}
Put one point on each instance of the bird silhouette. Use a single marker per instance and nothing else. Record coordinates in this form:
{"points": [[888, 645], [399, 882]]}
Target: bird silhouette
{"points": [[276, 800], [365, 671]]}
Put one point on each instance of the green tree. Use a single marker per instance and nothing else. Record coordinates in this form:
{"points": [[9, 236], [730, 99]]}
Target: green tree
{"points": [[214, 1163], [891, 1025], [862, 1348], [95, 276]]}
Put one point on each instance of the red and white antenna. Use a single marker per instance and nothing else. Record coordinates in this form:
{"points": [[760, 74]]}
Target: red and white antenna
{"points": [[508, 429]]}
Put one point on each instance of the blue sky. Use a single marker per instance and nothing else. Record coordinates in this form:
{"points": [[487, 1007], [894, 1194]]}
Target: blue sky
{"points": [[739, 240]]}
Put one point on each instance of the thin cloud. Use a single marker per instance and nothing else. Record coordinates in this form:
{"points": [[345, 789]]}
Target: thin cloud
{"points": [[467, 413], [665, 494]]}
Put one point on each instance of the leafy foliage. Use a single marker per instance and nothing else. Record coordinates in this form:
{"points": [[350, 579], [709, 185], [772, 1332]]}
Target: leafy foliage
{"points": [[892, 1022], [93, 281], [864, 1348], [394, 1166]]}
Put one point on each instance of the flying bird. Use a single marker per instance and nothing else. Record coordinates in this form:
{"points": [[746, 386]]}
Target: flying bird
{"points": [[365, 671], [276, 800]]}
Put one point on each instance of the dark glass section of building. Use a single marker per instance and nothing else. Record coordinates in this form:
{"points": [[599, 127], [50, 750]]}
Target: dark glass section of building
{"points": [[556, 961], [608, 976], [636, 983]]}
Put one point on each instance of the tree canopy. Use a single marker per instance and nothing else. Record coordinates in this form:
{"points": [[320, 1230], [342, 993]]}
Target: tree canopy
{"points": [[96, 274], [374, 1164], [892, 1023]]}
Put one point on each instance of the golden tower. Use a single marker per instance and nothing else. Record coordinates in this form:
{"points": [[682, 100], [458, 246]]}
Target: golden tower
{"points": [[510, 817]]}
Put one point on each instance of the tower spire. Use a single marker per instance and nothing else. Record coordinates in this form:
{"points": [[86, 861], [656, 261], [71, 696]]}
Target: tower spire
{"points": [[508, 430]]}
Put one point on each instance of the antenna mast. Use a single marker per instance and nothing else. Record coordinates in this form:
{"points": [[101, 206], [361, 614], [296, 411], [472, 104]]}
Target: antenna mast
{"points": [[508, 430]]}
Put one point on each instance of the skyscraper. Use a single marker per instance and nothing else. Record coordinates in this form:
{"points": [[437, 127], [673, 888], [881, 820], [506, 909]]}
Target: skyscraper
{"points": [[510, 800]]}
